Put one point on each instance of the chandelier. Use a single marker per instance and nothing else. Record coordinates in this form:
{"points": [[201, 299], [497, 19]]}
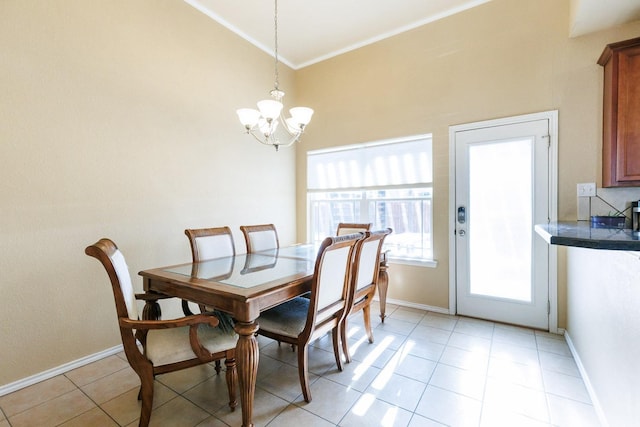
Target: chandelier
{"points": [[263, 123]]}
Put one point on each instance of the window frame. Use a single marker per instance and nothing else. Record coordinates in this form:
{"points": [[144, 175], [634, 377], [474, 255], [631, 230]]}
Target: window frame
{"points": [[362, 202]]}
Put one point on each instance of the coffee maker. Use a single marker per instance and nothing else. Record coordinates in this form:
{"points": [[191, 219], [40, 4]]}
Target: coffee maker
{"points": [[635, 217]]}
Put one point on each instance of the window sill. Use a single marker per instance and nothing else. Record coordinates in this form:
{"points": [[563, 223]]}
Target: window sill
{"points": [[431, 263]]}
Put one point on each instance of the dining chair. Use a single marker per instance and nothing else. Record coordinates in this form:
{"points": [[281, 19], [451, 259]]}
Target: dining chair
{"points": [[208, 243], [364, 281], [349, 228], [301, 320], [166, 345], [260, 237]]}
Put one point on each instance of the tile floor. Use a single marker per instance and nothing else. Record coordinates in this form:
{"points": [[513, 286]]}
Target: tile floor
{"points": [[424, 369]]}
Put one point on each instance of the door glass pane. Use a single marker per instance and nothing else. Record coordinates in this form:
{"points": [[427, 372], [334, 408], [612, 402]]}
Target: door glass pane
{"points": [[500, 219]]}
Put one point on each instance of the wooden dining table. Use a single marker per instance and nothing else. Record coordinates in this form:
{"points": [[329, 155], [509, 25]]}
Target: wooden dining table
{"points": [[243, 286]]}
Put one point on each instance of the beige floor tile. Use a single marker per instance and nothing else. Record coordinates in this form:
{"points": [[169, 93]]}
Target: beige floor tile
{"points": [[567, 413], [4, 423], [294, 416], [212, 422], [517, 398], [125, 408], [529, 375], [55, 411], [449, 408], [515, 353], [330, 400], [469, 342], [377, 354], [423, 348], [397, 390], [212, 395], [369, 411], [95, 417], [96, 370], [35, 395], [431, 334], [466, 383], [266, 407], [499, 416], [408, 314], [565, 386], [438, 321], [355, 375], [396, 326], [285, 383], [185, 379], [113, 385], [178, 412], [465, 359], [411, 366], [420, 421]]}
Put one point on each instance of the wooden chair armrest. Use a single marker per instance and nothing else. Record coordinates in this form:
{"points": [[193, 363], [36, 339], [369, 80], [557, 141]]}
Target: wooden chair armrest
{"points": [[173, 323]]}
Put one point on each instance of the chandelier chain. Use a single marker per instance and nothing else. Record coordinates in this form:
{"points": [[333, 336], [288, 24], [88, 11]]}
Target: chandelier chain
{"points": [[275, 19]]}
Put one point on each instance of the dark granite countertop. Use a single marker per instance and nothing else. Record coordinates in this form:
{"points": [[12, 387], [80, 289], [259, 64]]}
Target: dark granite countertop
{"points": [[580, 234]]}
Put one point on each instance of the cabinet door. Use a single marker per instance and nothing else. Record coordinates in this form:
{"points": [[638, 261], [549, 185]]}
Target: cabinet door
{"points": [[621, 114], [628, 159]]}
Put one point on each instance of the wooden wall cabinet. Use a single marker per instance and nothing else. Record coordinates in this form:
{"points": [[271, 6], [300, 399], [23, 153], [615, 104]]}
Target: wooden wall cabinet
{"points": [[621, 114]]}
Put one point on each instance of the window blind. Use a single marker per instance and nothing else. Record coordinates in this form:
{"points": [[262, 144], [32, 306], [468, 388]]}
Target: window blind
{"points": [[399, 162]]}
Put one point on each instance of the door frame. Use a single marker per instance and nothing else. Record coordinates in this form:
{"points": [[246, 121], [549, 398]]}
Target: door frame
{"points": [[552, 117]]}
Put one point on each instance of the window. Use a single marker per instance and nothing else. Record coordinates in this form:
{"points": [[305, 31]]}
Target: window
{"points": [[388, 184]]}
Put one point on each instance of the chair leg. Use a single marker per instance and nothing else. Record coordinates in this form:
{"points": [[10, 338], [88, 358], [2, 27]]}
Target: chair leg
{"points": [[367, 322], [343, 337], [218, 367], [232, 380], [335, 336], [146, 395], [303, 372]]}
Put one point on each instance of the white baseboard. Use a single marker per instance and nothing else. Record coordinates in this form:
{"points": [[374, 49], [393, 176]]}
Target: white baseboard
{"points": [[26, 382], [414, 305], [587, 382]]}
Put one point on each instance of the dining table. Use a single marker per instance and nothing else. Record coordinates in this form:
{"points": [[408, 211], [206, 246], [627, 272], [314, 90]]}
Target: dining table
{"points": [[243, 285]]}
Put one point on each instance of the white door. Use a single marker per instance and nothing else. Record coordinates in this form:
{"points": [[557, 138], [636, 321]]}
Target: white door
{"points": [[501, 192]]}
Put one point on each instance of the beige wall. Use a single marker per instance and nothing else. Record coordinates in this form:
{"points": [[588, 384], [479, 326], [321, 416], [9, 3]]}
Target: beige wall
{"points": [[500, 59], [117, 119]]}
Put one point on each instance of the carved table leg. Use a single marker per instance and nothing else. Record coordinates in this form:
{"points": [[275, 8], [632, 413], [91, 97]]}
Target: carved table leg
{"points": [[247, 356], [151, 310], [383, 284]]}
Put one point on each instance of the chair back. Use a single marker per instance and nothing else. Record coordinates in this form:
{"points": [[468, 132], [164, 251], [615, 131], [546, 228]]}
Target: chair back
{"points": [[105, 251], [210, 243], [260, 237], [350, 228], [331, 288], [367, 258], [113, 261]]}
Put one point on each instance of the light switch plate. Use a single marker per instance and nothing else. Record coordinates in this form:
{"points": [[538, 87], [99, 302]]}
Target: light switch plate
{"points": [[587, 189]]}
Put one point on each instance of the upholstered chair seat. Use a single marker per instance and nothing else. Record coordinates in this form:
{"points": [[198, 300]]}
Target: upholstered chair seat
{"points": [[165, 346]]}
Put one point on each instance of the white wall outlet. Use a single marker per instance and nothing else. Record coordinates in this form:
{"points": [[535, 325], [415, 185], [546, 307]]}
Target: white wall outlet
{"points": [[587, 190]]}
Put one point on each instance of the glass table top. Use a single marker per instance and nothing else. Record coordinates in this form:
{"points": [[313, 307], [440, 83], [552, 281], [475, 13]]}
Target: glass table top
{"points": [[249, 270]]}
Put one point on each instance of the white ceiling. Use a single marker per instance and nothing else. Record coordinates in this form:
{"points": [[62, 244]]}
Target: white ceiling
{"points": [[312, 31]]}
